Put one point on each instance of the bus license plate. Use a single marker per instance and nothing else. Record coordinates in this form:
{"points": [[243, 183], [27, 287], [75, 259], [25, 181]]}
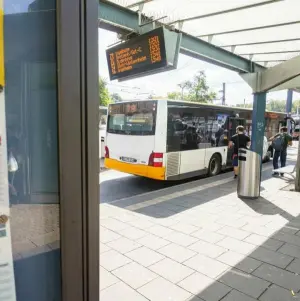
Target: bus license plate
{"points": [[129, 160]]}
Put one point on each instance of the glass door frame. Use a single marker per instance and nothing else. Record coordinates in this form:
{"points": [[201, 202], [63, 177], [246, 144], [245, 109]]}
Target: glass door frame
{"points": [[78, 102]]}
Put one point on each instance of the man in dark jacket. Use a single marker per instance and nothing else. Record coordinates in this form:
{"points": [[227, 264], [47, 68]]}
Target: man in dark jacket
{"points": [[239, 140], [280, 142]]}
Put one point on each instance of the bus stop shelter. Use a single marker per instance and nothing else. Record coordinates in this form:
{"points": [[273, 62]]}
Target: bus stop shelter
{"points": [[258, 39]]}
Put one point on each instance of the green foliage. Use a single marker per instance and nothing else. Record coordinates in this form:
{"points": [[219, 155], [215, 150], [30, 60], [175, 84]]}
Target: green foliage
{"points": [[196, 90], [296, 104], [104, 96], [275, 105], [247, 105], [174, 95], [116, 98], [199, 90]]}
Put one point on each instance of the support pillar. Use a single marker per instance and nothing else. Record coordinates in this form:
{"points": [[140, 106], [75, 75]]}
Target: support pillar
{"points": [[297, 181], [258, 122], [289, 103], [258, 126]]}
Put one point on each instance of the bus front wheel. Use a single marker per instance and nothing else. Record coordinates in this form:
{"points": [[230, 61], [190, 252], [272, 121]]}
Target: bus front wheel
{"points": [[214, 167]]}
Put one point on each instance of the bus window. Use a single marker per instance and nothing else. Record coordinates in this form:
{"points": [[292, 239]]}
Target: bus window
{"points": [[234, 123], [211, 129], [215, 127], [132, 119], [116, 123], [185, 128]]}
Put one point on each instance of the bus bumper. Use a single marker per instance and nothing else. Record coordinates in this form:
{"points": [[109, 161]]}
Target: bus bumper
{"points": [[157, 173]]}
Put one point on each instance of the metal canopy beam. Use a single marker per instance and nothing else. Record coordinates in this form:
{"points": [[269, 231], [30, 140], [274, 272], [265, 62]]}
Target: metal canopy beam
{"points": [[122, 20], [282, 76], [270, 61], [138, 3], [261, 42], [231, 10], [291, 84], [270, 52], [249, 29]]}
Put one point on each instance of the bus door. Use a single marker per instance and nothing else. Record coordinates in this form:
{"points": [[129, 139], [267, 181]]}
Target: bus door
{"points": [[232, 124]]}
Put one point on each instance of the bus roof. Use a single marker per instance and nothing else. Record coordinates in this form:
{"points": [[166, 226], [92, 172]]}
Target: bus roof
{"points": [[200, 104]]}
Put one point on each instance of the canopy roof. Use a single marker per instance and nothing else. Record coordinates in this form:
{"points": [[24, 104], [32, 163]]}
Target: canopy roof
{"points": [[267, 32]]}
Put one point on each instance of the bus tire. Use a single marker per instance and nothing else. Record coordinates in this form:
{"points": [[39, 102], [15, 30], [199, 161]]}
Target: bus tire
{"points": [[214, 166]]}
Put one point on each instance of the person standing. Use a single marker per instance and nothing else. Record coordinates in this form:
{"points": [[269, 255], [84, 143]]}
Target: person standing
{"points": [[237, 141], [280, 143]]}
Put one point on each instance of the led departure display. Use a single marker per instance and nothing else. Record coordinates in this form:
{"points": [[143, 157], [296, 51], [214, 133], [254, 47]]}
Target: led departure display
{"points": [[138, 55]]}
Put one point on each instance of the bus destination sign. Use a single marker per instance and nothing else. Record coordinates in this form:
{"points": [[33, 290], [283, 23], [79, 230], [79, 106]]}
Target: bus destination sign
{"points": [[137, 56]]}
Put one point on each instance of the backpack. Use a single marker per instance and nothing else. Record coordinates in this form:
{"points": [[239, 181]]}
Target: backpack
{"points": [[278, 143]]}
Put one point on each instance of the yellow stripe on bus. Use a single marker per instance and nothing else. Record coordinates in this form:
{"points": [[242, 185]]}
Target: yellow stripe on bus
{"points": [[157, 173], [2, 76]]}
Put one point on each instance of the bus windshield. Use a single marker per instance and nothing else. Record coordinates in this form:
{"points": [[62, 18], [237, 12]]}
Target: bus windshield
{"points": [[135, 118]]}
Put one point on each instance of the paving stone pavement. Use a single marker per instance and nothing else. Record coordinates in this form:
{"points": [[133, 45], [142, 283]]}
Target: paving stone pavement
{"points": [[39, 233], [200, 242]]}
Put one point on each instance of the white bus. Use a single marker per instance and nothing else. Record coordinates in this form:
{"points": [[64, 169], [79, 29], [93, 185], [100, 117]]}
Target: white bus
{"points": [[102, 130], [173, 140]]}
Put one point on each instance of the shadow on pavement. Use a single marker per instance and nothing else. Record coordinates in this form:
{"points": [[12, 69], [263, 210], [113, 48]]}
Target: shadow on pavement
{"points": [[128, 186], [267, 269], [178, 198], [256, 260], [264, 207]]}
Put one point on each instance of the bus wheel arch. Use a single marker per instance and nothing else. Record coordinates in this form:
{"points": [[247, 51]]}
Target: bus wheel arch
{"points": [[215, 165]]}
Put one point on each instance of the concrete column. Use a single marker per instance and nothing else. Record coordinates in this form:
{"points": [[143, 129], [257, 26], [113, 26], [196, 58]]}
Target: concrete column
{"points": [[297, 181], [258, 122], [258, 126], [289, 103]]}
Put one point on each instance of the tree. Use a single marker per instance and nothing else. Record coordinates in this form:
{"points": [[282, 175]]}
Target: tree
{"points": [[116, 98], [275, 105], [104, 96], [247, 105], [296, 105], [198, 90], [184, 85], [174, 95], [280, 105]]}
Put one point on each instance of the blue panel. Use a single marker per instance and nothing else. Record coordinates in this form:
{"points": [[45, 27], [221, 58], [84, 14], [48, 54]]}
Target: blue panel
{"points": [[31, 103], [38, 277], [258, 122], [289, 104], [289, 101]]}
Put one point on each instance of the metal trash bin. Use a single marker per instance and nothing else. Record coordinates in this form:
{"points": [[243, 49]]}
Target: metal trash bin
{"points": [[249, 174]]}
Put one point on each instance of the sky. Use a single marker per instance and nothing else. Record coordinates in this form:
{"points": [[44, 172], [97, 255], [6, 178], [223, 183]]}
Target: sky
{"points": [[236, 89], [160, 84]]}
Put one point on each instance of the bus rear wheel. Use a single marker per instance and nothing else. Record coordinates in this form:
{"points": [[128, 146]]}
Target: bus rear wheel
{"points": [[214, 167]]}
